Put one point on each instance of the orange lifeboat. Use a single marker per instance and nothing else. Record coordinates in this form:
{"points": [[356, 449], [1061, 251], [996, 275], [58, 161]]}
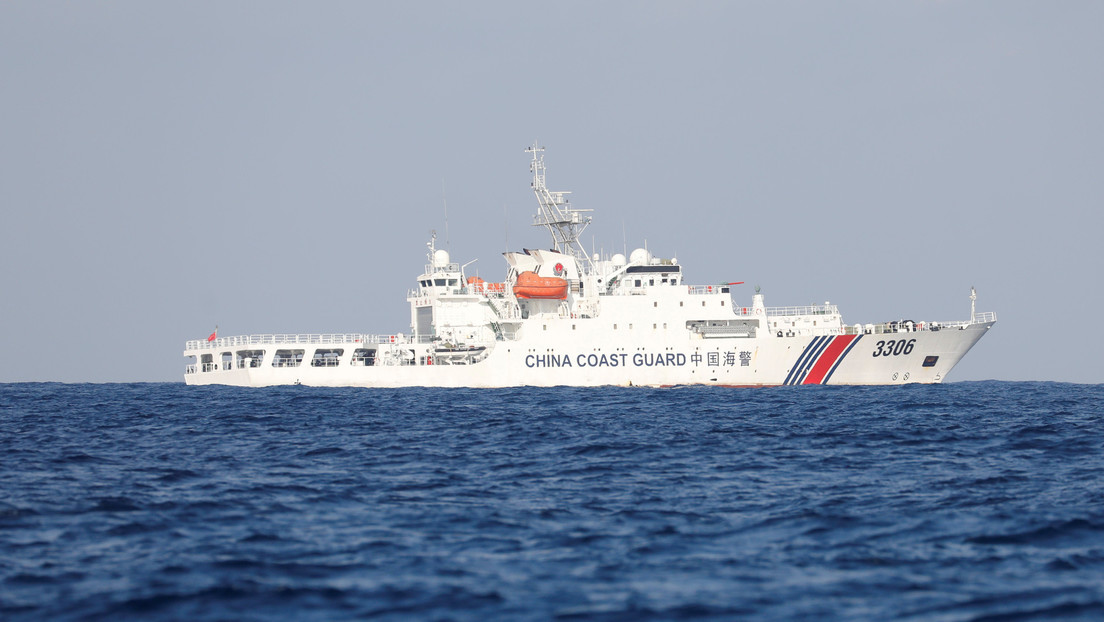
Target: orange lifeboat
{"points": [[529, 285]]}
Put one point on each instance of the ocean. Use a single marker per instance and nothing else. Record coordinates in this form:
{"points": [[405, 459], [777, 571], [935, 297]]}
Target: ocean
{"points": [[962, 501]]}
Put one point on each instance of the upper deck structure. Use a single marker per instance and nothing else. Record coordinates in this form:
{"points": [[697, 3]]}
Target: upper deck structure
{"points": [[563, 317]]}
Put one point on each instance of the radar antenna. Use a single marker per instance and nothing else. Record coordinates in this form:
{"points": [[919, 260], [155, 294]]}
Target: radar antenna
{"points": [[563, 222]]}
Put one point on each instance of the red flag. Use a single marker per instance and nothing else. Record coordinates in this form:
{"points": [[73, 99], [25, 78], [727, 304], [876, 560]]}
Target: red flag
{"points": [[214, 335]]}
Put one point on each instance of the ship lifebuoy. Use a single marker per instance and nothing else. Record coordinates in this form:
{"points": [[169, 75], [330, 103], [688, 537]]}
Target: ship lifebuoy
{"points": [[758, 312], [392, 339]]}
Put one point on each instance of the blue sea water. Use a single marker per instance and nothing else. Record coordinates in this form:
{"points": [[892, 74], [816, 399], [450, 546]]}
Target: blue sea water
{"points": [[964, 501]]}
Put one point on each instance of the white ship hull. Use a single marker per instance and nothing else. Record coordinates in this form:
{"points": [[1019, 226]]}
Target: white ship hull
{"points": [[564, 318], [864, 359]]}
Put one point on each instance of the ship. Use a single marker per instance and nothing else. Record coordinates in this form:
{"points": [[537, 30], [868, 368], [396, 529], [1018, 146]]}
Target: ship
{"points": [[565, 317]]}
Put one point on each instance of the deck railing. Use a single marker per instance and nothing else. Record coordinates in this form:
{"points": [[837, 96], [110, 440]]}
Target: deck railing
{"points": [[805, 310], [288, 339], [707, 289], [346, 339], [912, 327]]}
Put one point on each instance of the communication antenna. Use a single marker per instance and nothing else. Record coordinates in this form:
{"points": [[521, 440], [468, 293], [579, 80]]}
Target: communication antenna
{"points": [[564, 223], [444, 200]]}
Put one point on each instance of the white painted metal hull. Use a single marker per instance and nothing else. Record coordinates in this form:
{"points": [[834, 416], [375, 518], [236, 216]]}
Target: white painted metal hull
{"points": [[561, 317], [643, 361]]}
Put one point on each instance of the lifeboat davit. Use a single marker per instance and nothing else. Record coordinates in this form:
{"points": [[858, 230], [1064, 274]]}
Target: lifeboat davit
{"points": [[529, 285]]}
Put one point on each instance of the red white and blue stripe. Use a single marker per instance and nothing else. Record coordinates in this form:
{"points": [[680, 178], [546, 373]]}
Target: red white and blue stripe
{"points": [[820, 359]]}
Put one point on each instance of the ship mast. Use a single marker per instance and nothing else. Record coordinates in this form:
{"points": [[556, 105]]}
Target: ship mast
{"points": [[563, 222]]}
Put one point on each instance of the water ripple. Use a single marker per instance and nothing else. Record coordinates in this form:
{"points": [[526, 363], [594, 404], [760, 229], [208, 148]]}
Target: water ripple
{"points": [[972, 501]]}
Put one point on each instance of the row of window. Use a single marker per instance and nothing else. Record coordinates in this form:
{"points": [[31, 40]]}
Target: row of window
{"points": [[640, 282], [654, 326], [439, 282], [656, 304], [287, 358]]}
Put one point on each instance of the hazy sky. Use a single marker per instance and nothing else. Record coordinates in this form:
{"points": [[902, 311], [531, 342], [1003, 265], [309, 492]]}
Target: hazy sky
{"points": [[277, 167]]}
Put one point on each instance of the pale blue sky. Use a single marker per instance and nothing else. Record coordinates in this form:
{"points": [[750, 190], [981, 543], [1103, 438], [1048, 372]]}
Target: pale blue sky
{"points": [[277, 167]]}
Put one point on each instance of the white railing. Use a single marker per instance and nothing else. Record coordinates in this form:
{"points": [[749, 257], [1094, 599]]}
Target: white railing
{"points": [[806, 310], [707, 289], [432, 270], [487, 290], [258, 340], [913, 327]]}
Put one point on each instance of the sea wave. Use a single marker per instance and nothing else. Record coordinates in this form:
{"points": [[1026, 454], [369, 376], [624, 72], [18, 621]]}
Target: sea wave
{"points": [[964, 501]]}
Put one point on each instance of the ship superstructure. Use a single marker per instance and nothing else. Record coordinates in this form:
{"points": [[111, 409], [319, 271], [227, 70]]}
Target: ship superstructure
{"points": [[563, 317]]}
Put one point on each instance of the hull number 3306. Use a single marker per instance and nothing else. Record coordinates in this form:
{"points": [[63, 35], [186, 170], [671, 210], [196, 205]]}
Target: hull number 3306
{"points": [[894, 347]]}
